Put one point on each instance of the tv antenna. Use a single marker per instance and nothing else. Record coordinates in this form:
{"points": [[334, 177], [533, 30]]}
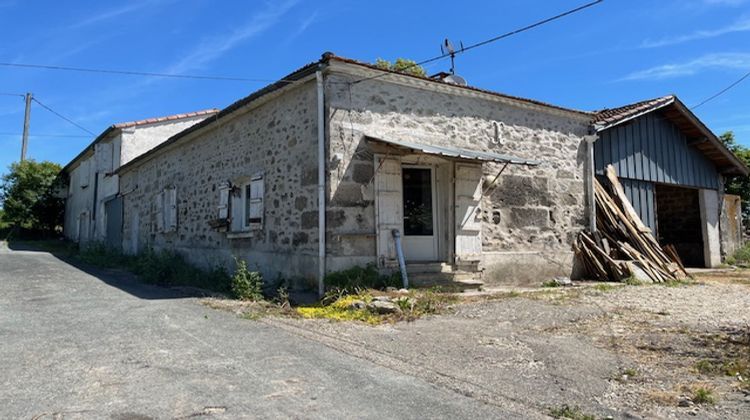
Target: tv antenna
{"points": [[447, 48]]}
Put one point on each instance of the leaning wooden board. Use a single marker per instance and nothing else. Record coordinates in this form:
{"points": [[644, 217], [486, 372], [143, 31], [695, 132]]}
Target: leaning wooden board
{"points": [[623, 242]]}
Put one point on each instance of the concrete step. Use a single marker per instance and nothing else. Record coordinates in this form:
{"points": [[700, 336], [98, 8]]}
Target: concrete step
{"points": [[460, 280]]}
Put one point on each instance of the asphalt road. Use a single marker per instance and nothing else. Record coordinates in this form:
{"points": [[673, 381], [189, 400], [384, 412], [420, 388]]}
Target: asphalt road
{"points": [[83, 343]]}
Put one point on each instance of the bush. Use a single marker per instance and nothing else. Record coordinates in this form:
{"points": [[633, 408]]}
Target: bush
{"points": [[246, 284], [742, 255]]}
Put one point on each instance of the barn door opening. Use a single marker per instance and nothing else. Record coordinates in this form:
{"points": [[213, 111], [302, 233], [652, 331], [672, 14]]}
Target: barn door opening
{"points": [[678, 222]]}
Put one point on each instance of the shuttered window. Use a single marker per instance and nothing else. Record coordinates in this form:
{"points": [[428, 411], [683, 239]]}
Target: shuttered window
{"points": [[223, 207], [166, 210], [253, 199]]}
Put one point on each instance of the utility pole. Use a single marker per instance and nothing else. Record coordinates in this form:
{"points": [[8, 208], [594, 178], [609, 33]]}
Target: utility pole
{"points": [[26, 118]]}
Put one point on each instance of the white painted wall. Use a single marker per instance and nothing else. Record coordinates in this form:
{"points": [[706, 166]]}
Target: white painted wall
{"points": [[139, 140], [79, 200]]}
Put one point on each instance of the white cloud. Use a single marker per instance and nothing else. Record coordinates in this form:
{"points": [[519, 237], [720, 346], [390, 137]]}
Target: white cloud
{"points": [[214, 47], [111, 13], [700, 64], [742, 25], [724, 2]]}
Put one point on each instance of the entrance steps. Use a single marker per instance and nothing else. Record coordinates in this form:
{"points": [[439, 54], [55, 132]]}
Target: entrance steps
{"points": [[443, 275]]}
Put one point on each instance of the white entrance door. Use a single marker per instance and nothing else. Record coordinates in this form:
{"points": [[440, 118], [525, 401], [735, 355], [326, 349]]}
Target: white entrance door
{"points": [[420, 238]]}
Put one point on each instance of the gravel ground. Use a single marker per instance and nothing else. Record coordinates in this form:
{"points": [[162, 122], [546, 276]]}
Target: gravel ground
{"points": [[572, 346]]}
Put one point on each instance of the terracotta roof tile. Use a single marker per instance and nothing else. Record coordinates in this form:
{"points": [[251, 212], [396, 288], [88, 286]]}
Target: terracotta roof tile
{"points": [[166, 118], [611, 116]]}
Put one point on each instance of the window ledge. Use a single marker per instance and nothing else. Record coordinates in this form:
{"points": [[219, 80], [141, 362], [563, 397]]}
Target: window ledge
{"points": [[240, 235]]}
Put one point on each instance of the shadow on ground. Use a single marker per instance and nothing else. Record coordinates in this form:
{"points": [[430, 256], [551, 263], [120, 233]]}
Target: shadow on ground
{"points": [[121, 279]]}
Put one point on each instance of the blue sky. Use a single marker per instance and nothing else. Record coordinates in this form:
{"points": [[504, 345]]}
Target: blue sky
{"points": [[617, 52]]}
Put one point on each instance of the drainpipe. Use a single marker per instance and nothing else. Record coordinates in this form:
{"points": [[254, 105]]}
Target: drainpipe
{"points": [[590, 174], [321, 184]]}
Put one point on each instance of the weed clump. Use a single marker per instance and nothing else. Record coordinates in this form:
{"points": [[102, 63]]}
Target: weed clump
{"points": [[246, 284], [359, 278], [567, 412], [703, 395]]}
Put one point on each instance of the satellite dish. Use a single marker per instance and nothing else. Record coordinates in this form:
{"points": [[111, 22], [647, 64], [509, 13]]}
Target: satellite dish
{"points": [[455, 79]]}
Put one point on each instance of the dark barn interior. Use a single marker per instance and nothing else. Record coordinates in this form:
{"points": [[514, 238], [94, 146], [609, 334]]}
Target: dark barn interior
{"points": [[678, 222]]}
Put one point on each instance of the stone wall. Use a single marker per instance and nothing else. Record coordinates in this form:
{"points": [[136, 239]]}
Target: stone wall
{"points": [[536, 211], [731, 224], [278, 138]]}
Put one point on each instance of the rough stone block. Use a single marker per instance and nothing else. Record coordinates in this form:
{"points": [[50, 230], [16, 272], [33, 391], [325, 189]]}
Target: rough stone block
{"points": [[309, 220], [524, 217], [348, 195]]}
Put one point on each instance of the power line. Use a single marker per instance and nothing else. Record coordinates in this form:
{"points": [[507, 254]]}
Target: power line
{"points": [[721, 92], [63, 117], [12, 94], [45, 135], [137, 73], [495, 39], [245, 79]]}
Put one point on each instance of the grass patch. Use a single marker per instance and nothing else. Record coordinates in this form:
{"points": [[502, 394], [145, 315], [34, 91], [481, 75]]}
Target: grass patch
{"points": [[550, 283], [731, 367], [569, 412], [703, 395], [604, 287], [676, 283], [632, 373], [252, 310], [625, 375], [632, 281]]}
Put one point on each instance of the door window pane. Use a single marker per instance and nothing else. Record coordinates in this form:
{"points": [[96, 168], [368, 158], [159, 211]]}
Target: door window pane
{"points": [[417, 186]]}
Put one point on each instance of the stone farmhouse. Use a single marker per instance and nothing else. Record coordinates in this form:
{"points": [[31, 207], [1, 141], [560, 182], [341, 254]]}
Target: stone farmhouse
{"points": [[93, 208], [339, 161]]}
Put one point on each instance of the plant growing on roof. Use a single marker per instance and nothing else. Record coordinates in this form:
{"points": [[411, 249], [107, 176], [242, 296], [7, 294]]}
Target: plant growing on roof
{"points": [[402, 65]]}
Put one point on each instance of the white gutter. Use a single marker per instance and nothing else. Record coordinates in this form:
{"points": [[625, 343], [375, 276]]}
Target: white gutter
{"points": [[590, 179], [321, 184]]}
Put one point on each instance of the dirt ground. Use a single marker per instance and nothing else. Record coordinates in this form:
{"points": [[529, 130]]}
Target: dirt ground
{"points": [[650, 351]]}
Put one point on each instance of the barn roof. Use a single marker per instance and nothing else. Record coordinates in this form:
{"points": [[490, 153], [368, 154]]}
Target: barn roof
{"points": [[671, 108]]}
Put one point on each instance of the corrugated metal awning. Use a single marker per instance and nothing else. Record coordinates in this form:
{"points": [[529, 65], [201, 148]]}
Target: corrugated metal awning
{"points": [[456, 152]]}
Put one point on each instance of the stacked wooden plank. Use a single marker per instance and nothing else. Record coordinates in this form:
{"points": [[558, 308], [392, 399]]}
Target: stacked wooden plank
{"points": [[623, 246]]}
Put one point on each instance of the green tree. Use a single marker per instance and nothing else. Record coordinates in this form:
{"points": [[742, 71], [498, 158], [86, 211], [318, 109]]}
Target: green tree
{"points": [[738, 185], [30, 195], [402, 65]]}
